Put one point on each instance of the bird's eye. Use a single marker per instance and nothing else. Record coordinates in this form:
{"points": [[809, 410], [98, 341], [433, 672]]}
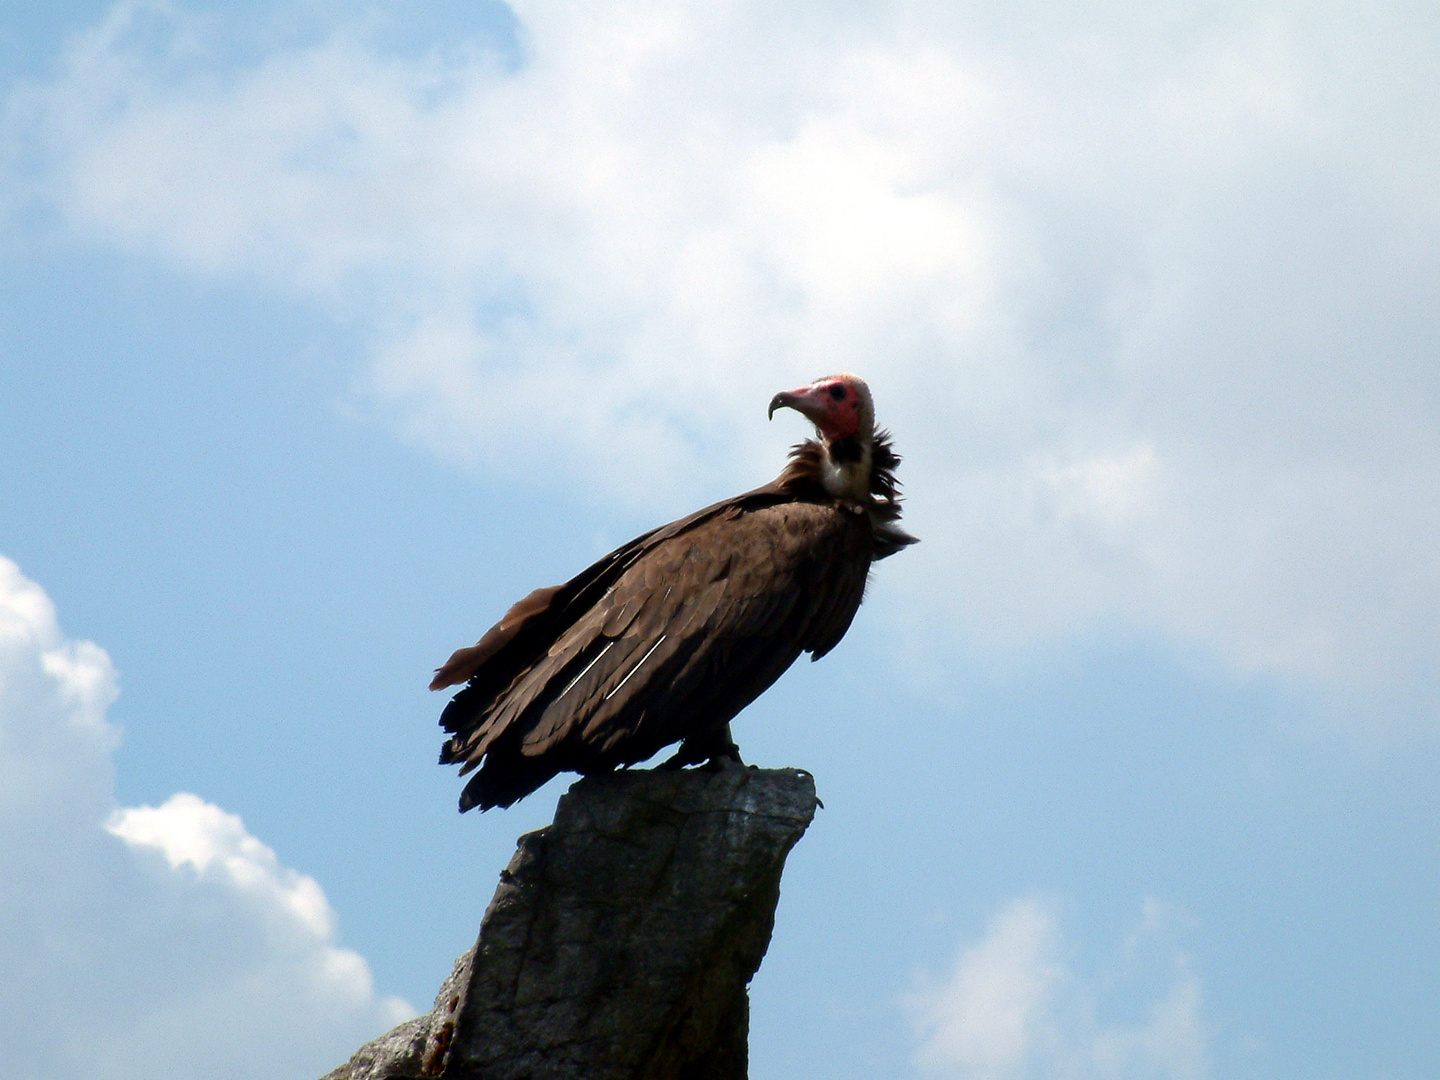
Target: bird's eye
{"points": [[838, 391]]}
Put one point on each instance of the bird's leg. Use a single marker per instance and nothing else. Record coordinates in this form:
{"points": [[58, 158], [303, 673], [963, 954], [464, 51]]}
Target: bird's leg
{"points": [[724, 752], [715, 748]]}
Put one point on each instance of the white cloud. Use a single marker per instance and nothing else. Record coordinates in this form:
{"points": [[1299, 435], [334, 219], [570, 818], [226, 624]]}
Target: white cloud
{"points": [[147, 941], [984, 1019], [194, 834], [1147, 297], [1012, 1007]]}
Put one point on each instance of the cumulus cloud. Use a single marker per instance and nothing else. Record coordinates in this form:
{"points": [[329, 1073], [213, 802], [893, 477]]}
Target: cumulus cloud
{"points": [[1147, 296], [1012, 1007], [145, 941]]}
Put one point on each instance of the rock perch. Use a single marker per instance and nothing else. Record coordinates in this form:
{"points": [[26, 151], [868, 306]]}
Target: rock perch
{"points": [[620, 940]]}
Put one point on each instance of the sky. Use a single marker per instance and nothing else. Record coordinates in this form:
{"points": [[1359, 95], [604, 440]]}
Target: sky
{"points": [[329, 329]]}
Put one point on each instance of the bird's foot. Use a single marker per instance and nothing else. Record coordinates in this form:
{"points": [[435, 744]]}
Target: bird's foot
{"points": [[714, 752], [728, 758]]}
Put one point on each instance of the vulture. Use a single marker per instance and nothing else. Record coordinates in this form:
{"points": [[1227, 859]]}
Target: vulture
{"points": [[666, 638]]}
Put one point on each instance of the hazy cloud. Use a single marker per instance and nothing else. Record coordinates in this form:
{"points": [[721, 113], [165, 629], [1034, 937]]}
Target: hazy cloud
{"points": [[1147, 296], [1012, 1007], [147, 941]]}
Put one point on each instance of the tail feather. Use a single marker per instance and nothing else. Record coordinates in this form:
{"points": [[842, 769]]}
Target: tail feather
{"points": [[507, 781]]}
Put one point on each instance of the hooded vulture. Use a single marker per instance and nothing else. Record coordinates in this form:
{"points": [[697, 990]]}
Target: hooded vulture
{"points": [[665, 639]]}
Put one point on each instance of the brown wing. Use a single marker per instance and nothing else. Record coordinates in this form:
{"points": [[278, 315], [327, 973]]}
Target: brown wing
{"points": [[509, 646], [677, 635]]}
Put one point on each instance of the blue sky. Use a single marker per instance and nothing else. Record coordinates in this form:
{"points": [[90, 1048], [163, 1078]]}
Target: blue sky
{"points": [[328, 330]]}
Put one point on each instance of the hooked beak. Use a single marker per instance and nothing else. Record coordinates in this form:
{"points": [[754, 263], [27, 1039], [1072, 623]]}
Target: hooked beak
{"points": [[808, 401]]}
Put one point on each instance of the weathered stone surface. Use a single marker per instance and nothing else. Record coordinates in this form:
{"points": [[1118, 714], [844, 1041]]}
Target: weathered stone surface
{"points": [[621, 938]]}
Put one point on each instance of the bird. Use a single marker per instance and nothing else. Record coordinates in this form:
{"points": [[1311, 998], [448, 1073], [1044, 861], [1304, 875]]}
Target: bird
{"points": [[668, 637]]}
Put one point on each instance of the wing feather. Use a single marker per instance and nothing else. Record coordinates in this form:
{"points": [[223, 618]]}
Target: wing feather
{"points": [[669, 636]]}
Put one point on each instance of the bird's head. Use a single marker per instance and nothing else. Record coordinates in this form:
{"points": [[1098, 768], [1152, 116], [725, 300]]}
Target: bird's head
{"points": [[838, 405], [844, 417]]}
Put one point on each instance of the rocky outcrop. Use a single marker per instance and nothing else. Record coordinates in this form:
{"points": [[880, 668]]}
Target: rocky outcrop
{"points": [[621, 939]]}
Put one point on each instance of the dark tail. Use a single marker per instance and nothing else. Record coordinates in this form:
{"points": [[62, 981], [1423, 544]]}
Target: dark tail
{"points": [[506, 779]]}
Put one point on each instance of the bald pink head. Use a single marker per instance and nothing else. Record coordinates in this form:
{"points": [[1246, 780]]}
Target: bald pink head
{"points": [[838, 405]]}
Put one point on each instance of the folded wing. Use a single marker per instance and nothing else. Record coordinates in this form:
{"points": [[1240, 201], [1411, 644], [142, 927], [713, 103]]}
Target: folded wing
{"points": [[664, 639]]}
